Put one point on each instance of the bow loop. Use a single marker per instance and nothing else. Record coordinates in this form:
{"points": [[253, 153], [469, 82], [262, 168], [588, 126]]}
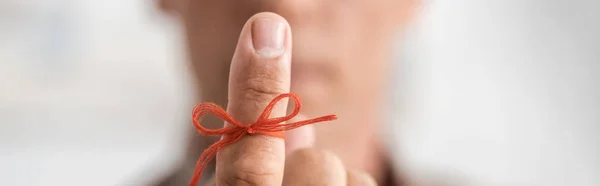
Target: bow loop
{"points": [[262, 125]]}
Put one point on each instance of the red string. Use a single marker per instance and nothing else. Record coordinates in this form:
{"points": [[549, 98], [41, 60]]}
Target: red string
{"points": [[263, 125]]}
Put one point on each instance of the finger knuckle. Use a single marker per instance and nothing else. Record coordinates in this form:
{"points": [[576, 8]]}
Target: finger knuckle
{"points": [[249, 172], [251, 177], [257, 163], [319, 167], [232, 182], [315, 157], [247, 176], [262, 88]]}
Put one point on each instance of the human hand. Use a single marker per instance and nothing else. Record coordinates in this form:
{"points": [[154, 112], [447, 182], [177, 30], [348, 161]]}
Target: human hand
{"points": [[260, 71]]}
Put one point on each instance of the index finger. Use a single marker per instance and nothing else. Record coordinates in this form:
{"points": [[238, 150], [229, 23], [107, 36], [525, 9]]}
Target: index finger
{"points": [[260, 71]]}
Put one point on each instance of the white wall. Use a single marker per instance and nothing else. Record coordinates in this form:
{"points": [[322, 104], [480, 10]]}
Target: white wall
{"points": [[503, 92], [91, 93]]}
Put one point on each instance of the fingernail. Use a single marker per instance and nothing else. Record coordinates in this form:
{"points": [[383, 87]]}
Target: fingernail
{"points": [[267, 37]]}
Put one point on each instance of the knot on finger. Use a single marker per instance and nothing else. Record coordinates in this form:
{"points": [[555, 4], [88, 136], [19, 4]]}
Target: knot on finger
{"points": [[250, 130]]}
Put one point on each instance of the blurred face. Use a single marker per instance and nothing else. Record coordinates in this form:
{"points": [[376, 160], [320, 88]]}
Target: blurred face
{"points": [[340, 59]]}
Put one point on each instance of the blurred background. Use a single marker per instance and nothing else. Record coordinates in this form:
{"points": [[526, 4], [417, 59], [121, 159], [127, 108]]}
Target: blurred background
{"points": [[494, 92]]}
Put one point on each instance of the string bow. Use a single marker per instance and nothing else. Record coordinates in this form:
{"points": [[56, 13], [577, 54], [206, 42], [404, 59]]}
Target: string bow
{"points": [[263, 125]]}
